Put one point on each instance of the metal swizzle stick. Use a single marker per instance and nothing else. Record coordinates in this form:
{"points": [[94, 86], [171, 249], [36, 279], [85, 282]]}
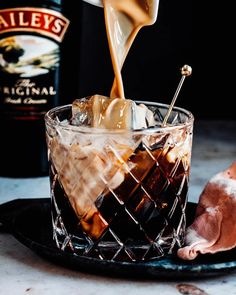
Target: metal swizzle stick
{"points": [[186, 71]]}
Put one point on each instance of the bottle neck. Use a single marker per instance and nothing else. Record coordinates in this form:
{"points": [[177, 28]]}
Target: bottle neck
{"points": [[31, 3]]}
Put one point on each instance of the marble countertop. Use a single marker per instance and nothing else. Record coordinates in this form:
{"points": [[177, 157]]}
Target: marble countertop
{"points": [[23, 272]]}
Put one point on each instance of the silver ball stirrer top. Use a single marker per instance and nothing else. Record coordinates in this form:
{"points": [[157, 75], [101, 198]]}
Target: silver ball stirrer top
{"points": [[186, 71]]}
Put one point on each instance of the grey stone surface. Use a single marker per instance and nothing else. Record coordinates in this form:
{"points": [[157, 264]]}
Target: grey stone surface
{"points": [[214, 149]]}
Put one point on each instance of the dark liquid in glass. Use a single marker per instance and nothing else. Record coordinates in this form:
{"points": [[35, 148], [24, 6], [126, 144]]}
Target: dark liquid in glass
{"points": [[144, 216]]}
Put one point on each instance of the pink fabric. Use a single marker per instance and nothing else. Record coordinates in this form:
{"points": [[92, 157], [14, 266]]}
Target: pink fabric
{"points": [[214, 227]]}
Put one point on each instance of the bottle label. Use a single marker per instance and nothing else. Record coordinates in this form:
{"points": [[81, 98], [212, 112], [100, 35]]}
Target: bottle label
{"points": [[29, 61], [40, 20]]}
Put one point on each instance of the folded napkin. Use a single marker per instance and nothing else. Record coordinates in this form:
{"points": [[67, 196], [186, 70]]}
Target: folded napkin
{"points": [[214, 227]]}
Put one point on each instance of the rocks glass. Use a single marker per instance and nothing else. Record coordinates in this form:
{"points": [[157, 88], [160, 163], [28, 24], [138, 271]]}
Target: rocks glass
{"points": [[119, 194]]}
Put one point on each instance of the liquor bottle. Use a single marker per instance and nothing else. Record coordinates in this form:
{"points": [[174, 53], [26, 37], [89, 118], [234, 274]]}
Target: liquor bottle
{"points": [[39, 49]]}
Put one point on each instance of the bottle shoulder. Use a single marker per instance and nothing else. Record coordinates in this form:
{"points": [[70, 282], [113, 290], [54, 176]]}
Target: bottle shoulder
{"points": [[53, 4]]}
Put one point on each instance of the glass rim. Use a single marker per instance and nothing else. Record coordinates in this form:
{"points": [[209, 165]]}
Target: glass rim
{"points": [[86, 129]]}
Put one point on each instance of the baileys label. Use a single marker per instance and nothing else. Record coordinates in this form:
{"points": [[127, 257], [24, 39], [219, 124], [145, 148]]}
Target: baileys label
{"points": [[29, 60], [40, 20]]}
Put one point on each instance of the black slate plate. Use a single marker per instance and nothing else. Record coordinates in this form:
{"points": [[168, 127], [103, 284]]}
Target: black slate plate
{"points": [[29, 220]]}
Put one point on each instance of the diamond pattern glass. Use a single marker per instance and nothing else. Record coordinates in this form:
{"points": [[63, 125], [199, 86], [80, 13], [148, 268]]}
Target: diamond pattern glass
{"points": [[119, 195]]}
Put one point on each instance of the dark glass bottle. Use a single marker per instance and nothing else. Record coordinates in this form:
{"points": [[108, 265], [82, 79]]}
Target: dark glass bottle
{"points": [[39, 57]]}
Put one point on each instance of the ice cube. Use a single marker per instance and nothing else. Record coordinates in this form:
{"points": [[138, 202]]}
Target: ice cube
{"points": [[142, 116], [111, 113], [81, 112]]}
